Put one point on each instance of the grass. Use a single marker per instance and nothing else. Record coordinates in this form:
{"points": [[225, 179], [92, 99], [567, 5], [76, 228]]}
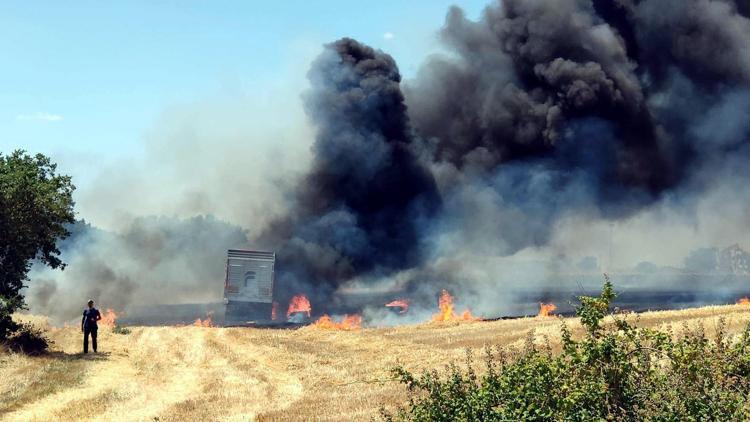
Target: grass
{"points": [[195, 373]]}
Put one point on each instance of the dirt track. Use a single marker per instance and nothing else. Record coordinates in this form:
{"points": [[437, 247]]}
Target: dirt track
{"points": [[193, 373]]}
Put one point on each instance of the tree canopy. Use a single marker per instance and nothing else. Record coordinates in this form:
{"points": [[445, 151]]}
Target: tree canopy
{"points": [[36, 203]]}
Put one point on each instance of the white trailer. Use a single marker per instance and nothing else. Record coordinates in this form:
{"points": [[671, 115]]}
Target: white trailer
{"points": [[248, 285]]}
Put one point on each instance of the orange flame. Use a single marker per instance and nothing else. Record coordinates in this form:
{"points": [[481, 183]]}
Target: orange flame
{"points": [[109, 318], [744, 301], [447, 312], [350, 322], [545, 309], [274, 310], [204, 322], [399, 303], [299, 303]]}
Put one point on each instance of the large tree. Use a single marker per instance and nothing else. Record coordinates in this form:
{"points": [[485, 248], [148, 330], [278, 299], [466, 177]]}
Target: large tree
{"points": [[36, 203]]}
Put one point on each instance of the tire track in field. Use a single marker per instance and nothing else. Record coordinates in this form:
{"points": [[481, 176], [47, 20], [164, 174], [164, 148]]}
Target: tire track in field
{"points": [[136, 379], [240, 383]]}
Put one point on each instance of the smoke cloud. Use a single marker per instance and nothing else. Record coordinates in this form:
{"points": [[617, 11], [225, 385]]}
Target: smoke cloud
{"points": [[547, 133], [359, 207], [153, 261]]}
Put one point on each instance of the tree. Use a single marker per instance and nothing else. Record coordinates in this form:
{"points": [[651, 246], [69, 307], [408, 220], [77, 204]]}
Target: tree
{"points": [[35, 205]]}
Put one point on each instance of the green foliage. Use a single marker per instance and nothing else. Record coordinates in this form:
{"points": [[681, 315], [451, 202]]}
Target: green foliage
{"points": [[35, 205], [27, 339], [615, 372]]}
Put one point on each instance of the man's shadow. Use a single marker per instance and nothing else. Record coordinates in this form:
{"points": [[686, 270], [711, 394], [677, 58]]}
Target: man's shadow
{"points": [[99, 356]]}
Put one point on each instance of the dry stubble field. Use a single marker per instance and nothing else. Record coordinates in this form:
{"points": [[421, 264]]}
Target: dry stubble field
{"points": [[196, 373]]}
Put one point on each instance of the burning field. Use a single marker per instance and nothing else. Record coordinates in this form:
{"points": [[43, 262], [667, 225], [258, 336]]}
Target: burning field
{"points": [[313, 373], [544, 143]]}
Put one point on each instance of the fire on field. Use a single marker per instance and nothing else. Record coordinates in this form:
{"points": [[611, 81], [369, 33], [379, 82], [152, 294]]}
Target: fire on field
{"points": [[251, 298], [300, 311]]}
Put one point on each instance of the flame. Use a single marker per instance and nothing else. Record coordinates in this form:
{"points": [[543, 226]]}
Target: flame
{"points": [[109, 318], [744, 301], [350, 322], [299, 303], [399, 303], [274, 310], [204, 322], [447, 312], [545, 309]]}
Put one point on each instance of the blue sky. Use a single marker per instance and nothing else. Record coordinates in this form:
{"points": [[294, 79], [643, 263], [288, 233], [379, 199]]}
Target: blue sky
{"points": [[83, 81]]}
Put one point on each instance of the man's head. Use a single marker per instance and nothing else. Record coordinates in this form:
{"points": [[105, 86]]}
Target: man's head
{"points": [[91, 303]]}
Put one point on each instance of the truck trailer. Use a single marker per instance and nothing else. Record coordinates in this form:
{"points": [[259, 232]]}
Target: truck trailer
{"points": [[248, 286]]}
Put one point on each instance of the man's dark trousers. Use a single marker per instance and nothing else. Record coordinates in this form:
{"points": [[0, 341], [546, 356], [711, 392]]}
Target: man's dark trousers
{"points": [[86, 332]]}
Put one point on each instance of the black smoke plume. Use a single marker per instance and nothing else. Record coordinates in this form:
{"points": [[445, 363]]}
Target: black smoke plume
{"points": [[539, 110], [359, 208], [573, 104]]}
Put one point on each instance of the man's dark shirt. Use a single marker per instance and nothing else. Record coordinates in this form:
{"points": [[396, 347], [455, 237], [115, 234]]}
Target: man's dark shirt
{"points": [[89, 318]]}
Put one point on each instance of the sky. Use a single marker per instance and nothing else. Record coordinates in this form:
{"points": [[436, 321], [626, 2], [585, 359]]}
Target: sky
{"points": [[86, 83]]}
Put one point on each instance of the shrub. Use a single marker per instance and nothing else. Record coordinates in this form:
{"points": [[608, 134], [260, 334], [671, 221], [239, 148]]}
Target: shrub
{"points": [[615, 372], [28, 339]]}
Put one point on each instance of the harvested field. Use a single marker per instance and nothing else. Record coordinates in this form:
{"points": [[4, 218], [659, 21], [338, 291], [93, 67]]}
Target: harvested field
{"points": [[197, 373]]}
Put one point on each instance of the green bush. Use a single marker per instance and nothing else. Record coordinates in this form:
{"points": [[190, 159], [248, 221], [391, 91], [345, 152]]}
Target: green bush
{"points": [[27, 339], [615, 372]]}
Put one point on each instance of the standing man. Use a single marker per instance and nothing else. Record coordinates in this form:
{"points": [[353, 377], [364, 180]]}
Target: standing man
{"points": [[89, 326]]}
